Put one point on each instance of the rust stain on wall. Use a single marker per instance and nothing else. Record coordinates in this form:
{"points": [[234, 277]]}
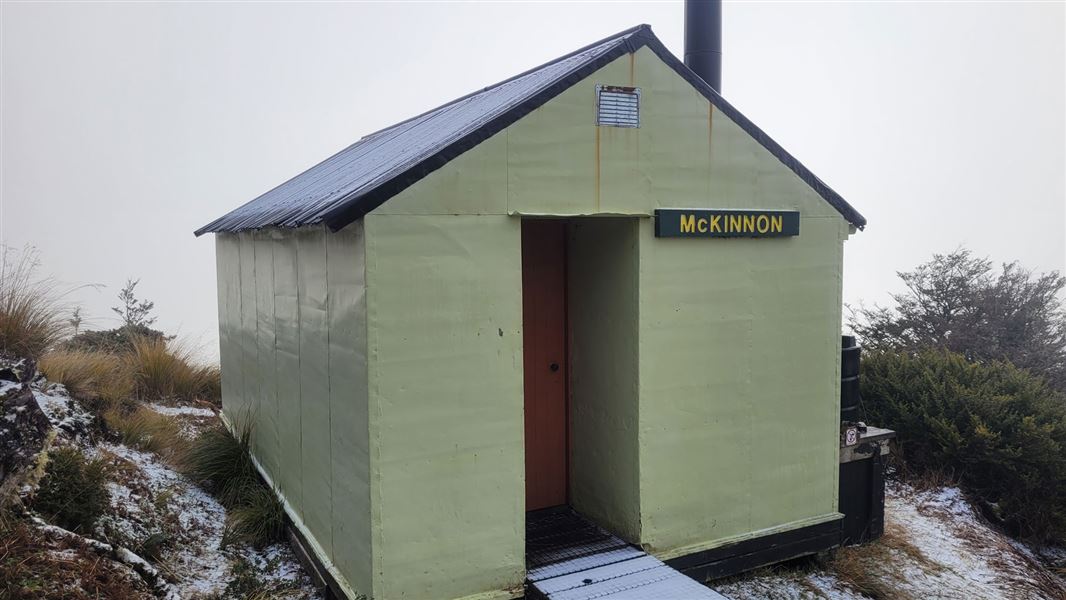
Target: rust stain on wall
{"points": [[598, 129], [710, 128]]}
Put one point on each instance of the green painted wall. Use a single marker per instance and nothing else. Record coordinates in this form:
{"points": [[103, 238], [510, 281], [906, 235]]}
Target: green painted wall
{"points": [[603, 298], [739, 376], [292, 319], [445, 363]]}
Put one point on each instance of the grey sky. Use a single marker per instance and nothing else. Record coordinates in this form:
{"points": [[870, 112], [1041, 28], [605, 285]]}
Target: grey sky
{"points": [[126, 126]]}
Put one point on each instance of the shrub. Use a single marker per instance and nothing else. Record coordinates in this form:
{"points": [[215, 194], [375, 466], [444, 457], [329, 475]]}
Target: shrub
{"points": [[1000, 430], [162, 370], [73, 491], [119, 340], [31, 312], [99, 379]]}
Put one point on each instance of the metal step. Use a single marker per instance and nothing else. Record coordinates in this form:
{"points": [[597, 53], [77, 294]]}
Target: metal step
{"points": [[569, 558]]}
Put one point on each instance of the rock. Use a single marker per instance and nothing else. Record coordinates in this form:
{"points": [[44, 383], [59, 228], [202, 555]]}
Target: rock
{"points": [[23, 429], [19, 370]]}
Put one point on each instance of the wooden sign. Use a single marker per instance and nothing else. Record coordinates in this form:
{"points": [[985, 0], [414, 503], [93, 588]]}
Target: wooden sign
{"points": [[698, 222]]}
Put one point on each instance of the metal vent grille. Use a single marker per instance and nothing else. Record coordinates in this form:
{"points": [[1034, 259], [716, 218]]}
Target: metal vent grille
{"points": [[617, 106]]}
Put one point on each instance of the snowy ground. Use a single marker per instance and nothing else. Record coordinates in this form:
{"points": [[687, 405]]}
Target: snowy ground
{"points": [[192, 521], [935, 546], [162, 516]]}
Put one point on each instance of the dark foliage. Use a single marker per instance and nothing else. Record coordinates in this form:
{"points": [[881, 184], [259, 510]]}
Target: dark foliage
{"points": [[73, 492], [960, 302], [999, 430], [120, 340]]}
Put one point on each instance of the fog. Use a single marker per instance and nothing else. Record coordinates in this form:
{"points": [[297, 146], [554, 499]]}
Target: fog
{"points": [[124, 127]]}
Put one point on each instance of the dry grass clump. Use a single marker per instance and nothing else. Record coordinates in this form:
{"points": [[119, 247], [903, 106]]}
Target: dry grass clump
{"points": [[152, 370], [147, 430], [168, 371], [100, 379], [870, 569], [31, 309]]}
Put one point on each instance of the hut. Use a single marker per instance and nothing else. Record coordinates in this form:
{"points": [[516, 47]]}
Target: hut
{"points": [[595, 284]]}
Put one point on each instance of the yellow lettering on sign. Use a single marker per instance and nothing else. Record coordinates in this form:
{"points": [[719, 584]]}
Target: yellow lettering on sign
{"points": [[749, 223], [701, 225], [733, 223], [688, 223], [762, 223], [716, 223], [775, 224]]}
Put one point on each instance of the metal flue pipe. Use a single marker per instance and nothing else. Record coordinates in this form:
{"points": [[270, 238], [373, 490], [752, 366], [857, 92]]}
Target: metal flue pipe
{"points": [[703, 40]]}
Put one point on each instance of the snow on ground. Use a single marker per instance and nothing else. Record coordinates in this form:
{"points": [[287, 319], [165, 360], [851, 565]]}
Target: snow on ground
{"points": [[788, 586], [935, 546], [64, 413], [182, 410], [193, 419], [152, 498], [8, 385], [160, 514]]}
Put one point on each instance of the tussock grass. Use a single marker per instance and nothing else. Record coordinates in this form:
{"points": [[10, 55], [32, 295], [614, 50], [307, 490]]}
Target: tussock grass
{"points": [[147, 430], [169, 371], [100, 379], [872, 569], [222, 462], [31, 309], [153, 370], [258, 519]]}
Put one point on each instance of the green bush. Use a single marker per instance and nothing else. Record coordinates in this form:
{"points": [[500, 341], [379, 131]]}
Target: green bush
{"points": [[999, 430], [118, 341], [73, 492]]}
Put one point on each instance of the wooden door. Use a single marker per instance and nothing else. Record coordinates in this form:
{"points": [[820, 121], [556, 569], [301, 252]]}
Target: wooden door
{"points": [[545, 361]]}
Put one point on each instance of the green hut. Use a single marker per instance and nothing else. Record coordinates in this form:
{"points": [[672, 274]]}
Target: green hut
{"points": [[594, 284]]}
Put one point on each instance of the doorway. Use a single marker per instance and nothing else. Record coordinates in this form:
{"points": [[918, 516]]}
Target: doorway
{"points": [[545, 362]]}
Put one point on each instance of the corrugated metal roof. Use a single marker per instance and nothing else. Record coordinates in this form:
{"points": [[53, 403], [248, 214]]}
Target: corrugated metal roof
{"points": [[361, 177]]}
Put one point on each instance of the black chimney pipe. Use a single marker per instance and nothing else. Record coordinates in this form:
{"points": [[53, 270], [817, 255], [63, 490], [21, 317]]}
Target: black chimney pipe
{"points": [[703, 40]]}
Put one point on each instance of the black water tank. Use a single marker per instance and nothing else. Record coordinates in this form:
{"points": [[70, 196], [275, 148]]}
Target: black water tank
{"points": [[849, 379]]}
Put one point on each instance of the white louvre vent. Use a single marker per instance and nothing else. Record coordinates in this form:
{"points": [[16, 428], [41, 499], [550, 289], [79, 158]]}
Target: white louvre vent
{"points": [[617, 106]]}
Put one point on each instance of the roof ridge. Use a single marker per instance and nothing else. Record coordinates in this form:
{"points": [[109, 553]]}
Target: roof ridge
{"points": [[621, 34]]}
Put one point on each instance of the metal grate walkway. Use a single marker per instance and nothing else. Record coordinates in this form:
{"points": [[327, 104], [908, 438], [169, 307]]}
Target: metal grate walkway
{"points": [[569, 558]]}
